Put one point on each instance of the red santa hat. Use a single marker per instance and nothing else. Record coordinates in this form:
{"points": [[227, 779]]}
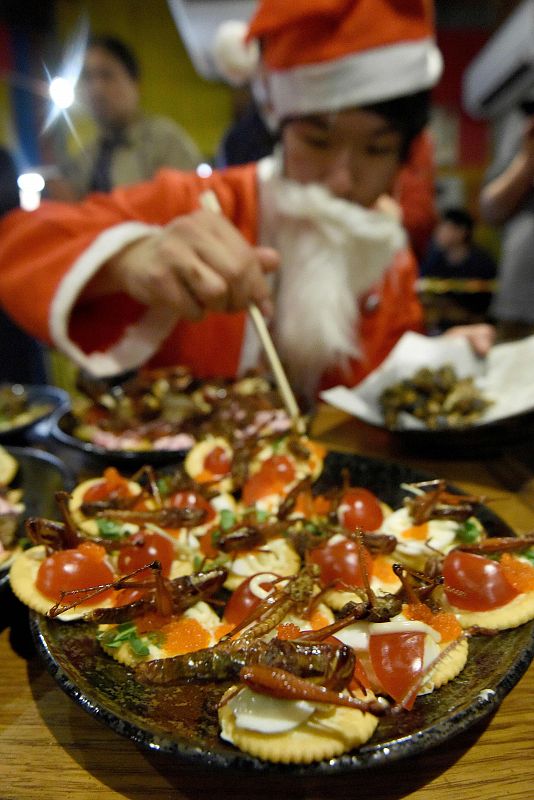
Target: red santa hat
{"points": [[323, 55]]}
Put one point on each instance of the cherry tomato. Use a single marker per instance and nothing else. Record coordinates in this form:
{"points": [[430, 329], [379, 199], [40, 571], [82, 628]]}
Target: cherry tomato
{"points": [[243, 600], [279, 467], [112, 485], [78, 568], [275, 474], [95, 415], [397, 660], [359, 677], [218, 462], [190, 499], [124, 597], [339, 563], [479, 582], [359, 508], [150, 547]]}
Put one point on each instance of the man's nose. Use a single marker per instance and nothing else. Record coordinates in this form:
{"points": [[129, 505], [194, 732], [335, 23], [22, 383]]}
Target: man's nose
{"points": [[342, 178]]}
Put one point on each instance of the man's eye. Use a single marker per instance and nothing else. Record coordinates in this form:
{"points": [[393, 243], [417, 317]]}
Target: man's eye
{"points": [[382, 150], [319, 142]]}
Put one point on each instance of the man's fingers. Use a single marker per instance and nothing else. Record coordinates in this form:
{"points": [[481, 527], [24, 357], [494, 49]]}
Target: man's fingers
{"points": [[227, 272], [269, 258], [480, 336], [198, 262]]}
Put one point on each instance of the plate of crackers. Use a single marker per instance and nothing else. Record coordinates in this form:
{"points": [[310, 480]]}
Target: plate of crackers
{"points": [[294, 609]]}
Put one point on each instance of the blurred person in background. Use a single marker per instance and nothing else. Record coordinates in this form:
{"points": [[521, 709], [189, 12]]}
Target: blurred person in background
{"points": [[507, 199], [457, 276], [131, 145], [149, 274]]}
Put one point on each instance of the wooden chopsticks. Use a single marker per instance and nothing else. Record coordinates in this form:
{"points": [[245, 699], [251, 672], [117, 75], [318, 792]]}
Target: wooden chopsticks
{"points": [[209, 200]]}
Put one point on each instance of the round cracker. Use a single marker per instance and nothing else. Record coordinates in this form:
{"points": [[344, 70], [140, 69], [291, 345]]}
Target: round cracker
{"points": [[448, 667], [329, 732], [87, 524], [23, 575], [201, 611], [194, 460], [275, 556], [8, 467], [8, 556], [515, 613]]}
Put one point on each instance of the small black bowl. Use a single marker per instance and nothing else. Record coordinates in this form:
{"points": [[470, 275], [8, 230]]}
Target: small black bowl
{"points": [[62, 430], [477, 440], [50, 396], [40, 475]]}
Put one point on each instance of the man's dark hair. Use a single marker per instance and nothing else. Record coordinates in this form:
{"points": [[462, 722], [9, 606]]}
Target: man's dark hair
{"points": [[118, 50], [408, 115], [461, 218]]}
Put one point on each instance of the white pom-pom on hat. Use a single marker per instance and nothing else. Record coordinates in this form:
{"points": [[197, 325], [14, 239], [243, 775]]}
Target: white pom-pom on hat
{"points": [[236, 59]]}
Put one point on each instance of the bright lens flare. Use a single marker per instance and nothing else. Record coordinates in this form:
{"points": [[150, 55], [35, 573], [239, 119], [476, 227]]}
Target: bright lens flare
{"points": [[204, 170], [62, 92], [31, 182]]}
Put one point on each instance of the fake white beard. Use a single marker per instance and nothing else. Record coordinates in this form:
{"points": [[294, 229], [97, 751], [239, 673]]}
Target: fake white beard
{"points": [[331, 251]]}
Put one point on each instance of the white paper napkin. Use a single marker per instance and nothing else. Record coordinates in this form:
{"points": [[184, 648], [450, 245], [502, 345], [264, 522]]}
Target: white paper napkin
{"points": [[505, 376]]}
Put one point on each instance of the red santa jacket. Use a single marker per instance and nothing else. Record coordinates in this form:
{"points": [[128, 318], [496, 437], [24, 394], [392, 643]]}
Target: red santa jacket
{"points": [[38, 249]]}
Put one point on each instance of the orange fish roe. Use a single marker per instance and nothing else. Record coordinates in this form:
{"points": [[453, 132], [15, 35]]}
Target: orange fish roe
{"points": [[317, 620], [112, 483], [316, 449], [419, 612], [222, 629], [383, 570], [304, 505], [518, 574], [419, 532], [321, 505], [444, 623], [205, 476], [93, 550], [184, 635], [288, 631]]}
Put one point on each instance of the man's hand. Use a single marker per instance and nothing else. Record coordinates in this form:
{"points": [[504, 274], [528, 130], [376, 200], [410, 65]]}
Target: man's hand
{"points": [[199, 262]]}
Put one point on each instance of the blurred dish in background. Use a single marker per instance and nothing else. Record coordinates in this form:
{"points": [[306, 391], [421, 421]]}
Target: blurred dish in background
{"points": [[29, 478], [156, 415], [22, 406], [501, 378], [436, 397]]}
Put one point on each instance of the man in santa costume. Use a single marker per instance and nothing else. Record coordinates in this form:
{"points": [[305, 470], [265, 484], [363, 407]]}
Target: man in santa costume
{"points": [[149, 274]]}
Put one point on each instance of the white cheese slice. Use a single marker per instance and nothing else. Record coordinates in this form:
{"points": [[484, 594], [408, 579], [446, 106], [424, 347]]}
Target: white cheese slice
{"points": [[258, 712]]}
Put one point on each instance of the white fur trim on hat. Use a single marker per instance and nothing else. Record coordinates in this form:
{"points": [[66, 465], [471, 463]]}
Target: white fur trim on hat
{"points": [[236, 59], [354, 80]]}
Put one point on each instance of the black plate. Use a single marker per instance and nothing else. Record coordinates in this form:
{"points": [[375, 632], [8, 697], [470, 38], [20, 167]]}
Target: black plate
{"points": [[40, 475], [52, 396], [62, 427], [467, 442], [181, 721]]}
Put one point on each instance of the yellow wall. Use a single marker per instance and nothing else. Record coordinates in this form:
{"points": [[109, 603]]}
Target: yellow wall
{"points": [[170, 85], [6, 137]]}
